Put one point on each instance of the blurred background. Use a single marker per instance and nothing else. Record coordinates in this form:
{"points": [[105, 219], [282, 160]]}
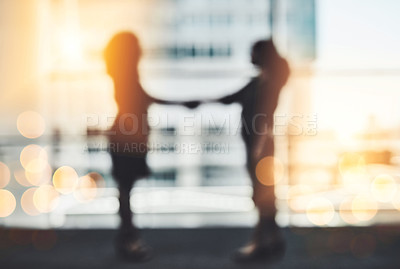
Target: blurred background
{"points": [[337, 125]]}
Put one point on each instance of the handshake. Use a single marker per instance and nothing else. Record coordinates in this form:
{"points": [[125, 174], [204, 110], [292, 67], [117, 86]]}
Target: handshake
{"points": [[191, 104]]}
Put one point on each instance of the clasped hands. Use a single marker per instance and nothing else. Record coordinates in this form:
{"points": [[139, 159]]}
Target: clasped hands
{"points": [[191, 104]]}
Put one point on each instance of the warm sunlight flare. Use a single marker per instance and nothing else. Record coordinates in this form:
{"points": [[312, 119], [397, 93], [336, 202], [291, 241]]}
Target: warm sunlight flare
{"points": [[71, 51], [350, 161]]}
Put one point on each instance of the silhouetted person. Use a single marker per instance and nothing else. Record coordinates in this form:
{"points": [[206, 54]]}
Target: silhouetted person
{"points": [[259, 99], [128, 135]]}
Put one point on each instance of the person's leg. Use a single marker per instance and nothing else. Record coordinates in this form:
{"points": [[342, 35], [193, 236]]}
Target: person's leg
{"points": [[262, 173], [127, 228], [266, 231], [263, 195], [267, 241], [128, 242]]}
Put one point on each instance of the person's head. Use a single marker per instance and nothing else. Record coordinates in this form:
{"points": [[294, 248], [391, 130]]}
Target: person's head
{"points": [[122, 55], [263, 53]]}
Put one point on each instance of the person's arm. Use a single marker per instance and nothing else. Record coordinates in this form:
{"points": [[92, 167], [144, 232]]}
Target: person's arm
{"points": [[229, 99], [236, 97], [188, 104]]}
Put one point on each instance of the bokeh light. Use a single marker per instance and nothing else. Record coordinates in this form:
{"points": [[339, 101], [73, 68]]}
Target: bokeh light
{"points": [[383, 188], [7, 203], [33, 158], [20, 177], [86, 189], [299, 196], [355, 180], [4, 175], [89, 187], [320, 211], [345, 211], [364, 208], [65, 179], [45, 198], [36, 166], [41, 177], [98, 179], [269, 170], [31, 124], [27, 203]]}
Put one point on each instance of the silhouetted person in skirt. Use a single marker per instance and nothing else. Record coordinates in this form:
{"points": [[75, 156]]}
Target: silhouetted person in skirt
{"points": [[128, 135]]}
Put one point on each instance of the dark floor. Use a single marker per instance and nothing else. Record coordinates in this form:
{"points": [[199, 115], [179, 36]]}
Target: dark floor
{"points": [[372, 247]]}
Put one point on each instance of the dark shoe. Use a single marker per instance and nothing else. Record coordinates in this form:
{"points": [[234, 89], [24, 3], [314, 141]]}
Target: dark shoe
{"points": [[254, 252], [267, 243], [134, 250]]}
